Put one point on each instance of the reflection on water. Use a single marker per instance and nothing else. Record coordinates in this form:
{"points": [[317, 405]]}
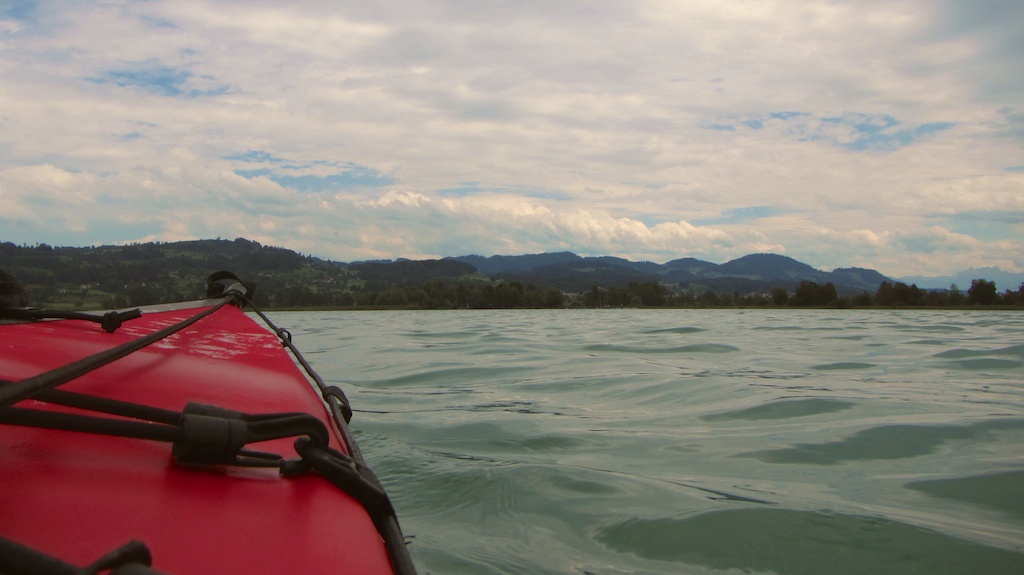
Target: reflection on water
{"points": [[886, 442], [806, 542], [782, 410], [690, 441], [1001, 491]]}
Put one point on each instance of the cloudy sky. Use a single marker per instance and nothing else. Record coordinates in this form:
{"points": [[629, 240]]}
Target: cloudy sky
{"points": [[878, 133]]}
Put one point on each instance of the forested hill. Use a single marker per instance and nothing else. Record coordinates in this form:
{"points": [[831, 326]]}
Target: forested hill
{"points": [[117, 276], [153, 272], [755, 272]]}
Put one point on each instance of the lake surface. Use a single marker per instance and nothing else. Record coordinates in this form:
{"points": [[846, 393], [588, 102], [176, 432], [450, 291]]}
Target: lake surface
{"points": [[689, 441]]}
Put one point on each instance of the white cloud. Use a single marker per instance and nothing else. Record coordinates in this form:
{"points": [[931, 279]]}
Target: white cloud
{"points": [[843, 134]]}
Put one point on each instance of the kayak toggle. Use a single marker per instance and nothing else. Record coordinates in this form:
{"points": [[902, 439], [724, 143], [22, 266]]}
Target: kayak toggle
{"points": [[212, 435]]}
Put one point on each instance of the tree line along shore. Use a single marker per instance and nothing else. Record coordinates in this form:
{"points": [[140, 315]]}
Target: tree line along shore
{"points": [[114, 277]]}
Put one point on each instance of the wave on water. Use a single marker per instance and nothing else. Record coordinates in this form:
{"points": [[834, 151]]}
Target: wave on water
{"points": [[805, 542], [690, 441], [885, 442], [782, 410]]}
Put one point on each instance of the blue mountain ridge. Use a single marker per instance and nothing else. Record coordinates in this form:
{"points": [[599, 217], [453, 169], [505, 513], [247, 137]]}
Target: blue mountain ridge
{"points": [[754, 271], [1004, 280]]}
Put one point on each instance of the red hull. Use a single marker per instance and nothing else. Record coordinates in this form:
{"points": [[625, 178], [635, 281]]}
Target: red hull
{"points": [[76, 496]]}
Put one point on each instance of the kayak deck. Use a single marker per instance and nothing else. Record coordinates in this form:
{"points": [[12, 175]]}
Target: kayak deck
{"points": [[76, 496]]}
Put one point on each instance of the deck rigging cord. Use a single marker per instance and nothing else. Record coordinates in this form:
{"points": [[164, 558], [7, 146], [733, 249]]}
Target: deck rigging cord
{"points": [[110, 320], [210, 435], [132, 558]]}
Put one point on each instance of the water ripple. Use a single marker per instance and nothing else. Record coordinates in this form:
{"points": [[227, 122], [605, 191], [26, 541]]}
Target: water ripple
{"points": [[843, 365], [1001, 491], [805, 542], [885, 442], [692, 348], [782, 410], [689, 441]]}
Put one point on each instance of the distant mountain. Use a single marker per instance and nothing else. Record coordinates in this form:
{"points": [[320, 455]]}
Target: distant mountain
{"points": [[565, 270], [1004, 280], [686, 270], [412, 271], [858, 277], [578, 276], [644, 266], [750, 273], [690, 265], [787, 272], [770, 267], [931, 282], [502, 264], [117, 276]]}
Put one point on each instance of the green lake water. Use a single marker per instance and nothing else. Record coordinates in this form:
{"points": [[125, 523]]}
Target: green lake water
{"points": [[689, 441]]}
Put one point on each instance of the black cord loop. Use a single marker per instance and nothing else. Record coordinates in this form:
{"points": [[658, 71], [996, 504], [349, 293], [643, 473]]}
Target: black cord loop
{"points": [[132, 558], [110, 321]]}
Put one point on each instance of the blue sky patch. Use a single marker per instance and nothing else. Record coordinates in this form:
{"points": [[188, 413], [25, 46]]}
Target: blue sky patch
{"points": [[985, 225], [544, 194], [788, 115], [466, 189], [160, 80], [158, 22], [23, 10], [756, 122], [873, 124], [462, 190], [875, 137], [353, 176], [740, 215], [254, 157], [337, 181], [879, 132], [290, 174]]}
